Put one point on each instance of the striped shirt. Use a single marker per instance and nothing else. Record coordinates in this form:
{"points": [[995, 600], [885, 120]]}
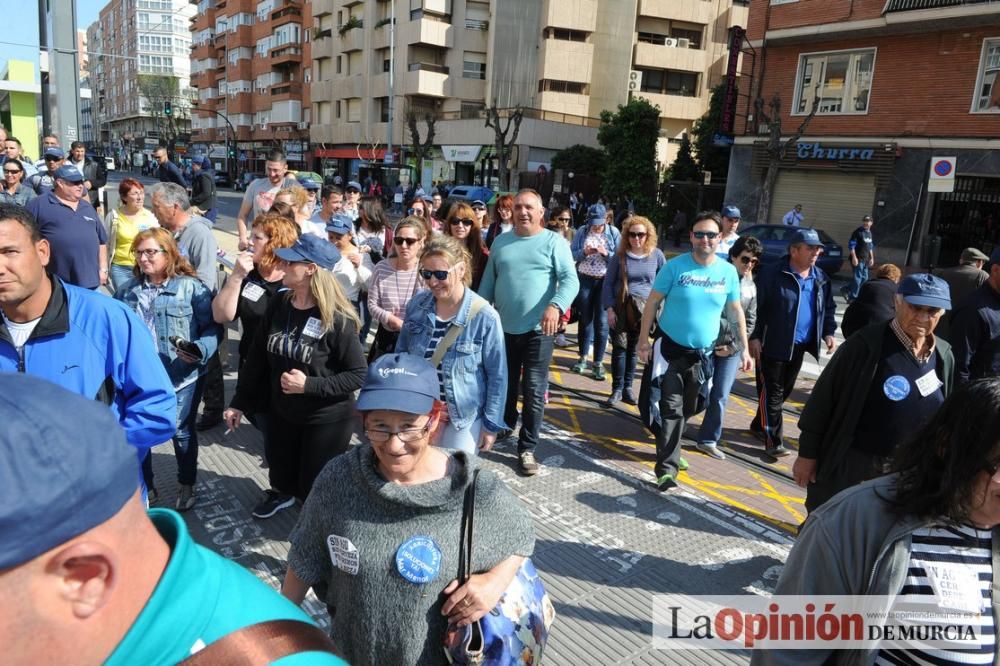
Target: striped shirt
{"points": [[390, 290], [950, 571], [440, 328]]}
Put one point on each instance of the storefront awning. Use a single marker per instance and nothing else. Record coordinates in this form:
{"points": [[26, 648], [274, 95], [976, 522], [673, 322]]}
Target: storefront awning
{"points": [[350, 153]]}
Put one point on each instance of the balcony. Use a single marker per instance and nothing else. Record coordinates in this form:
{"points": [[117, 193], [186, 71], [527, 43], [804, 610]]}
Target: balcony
{"points": [[426, 80], [578, 15], [286, 90], [677, 106], [690, 11], [675, 58], [428, 32], [915, 5], [352, 40], [289, 54], [291, 12], [322, 8], [566, 61]]}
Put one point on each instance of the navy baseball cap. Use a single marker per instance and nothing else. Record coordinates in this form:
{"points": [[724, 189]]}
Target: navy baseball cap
{"points": [[596, 214], [341, 224], [65, 467], [925, 289], [401, 383], [807, 236], [313, 249], [355, 185], [478, 203], [731, 211], [54, 152], [309, 183], [70, 173]]}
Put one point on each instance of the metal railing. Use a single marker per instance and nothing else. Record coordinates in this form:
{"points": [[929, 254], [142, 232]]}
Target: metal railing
{"points": [[912, 5]]}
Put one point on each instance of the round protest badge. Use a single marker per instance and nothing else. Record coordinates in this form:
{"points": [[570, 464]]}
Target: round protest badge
{"points": [[418, 560], [896, 388]]}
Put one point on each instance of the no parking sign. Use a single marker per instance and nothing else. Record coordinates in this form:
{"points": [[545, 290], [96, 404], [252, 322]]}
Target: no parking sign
{"points": [[942, 175]]}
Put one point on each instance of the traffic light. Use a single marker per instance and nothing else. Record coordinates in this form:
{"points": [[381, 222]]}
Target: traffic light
{"points": [[168, 109]]}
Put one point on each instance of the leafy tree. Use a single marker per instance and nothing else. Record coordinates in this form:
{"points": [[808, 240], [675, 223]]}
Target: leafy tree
{"points": [[684, 166], [157, 89], [628, 137], [580, 159], [711, 157]]}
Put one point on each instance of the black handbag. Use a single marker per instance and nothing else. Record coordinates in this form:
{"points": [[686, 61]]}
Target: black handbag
{"points": [[628, 308]]}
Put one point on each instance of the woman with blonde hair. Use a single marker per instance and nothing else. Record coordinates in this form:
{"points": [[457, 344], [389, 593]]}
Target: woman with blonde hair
{"points": [[463, 225], [307, 353], [393, 284], [177, 309], [460, 334], [633, 268]]}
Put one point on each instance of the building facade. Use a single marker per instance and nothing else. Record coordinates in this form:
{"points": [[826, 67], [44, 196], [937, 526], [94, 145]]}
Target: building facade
{"points": [[562, 61], [250, 63], [139, 53], [888, 88]]}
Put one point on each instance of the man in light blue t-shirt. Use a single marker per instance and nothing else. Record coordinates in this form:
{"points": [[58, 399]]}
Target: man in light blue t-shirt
{"points": [[694, 289]]}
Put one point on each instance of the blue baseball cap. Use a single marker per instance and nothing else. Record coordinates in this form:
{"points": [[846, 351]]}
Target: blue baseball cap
{"points": [[340, 224], [401, 383], [308, 183], [807, 236], [597, 214], [731, 211], [478, 203], [65, 467], [925, 289], [54, 152], [70, 173], [313, 249], [354, 184]]}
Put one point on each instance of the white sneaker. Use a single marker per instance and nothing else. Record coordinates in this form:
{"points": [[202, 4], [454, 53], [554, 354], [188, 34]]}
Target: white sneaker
{"points": [[710, 450], [561, 340]]}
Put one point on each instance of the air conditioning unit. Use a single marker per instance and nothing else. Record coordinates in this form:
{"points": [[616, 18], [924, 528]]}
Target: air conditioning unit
{"points": [[303, 125], [669, 41], [684, 43]]}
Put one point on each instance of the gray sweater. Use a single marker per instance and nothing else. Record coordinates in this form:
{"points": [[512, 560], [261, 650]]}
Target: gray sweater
{"points": [[197, 243], [380, 617]]}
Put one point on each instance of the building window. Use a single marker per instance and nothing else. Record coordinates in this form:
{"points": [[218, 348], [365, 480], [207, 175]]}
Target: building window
{"points": [[841, 82], [474, 65], [340, 65], [667, 82], [572, 87], [987, 97], [692, 38], [383, 109], [565, 34], [472, 110]]}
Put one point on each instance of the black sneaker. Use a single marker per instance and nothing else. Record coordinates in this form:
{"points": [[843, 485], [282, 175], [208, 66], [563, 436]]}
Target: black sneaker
{"points": [[779, 451], [272, 504], [528, 464], [209, 420], [613, 399], [628, 398], [504, 434]]}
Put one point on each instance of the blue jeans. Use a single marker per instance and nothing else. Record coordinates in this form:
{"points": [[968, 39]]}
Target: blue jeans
{"points": [[119, 275], [528, 358], [726, 368], [465, 439], [860, 277], [185, 440], [366, 317], [593, 318]]}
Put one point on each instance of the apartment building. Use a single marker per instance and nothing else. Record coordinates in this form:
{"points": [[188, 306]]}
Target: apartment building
{"points": [[562, 61], [138, 53], [896, 85], [250, 64]]}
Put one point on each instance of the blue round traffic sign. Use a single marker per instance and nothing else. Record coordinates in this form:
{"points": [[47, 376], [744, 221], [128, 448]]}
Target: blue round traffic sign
{"points": [[942, 168]]}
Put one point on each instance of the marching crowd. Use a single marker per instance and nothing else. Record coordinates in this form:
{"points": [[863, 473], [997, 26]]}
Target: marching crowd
{"points": [[467, 311]]}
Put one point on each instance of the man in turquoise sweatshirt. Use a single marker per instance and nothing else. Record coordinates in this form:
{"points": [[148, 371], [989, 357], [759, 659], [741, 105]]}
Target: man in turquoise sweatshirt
{"points": [[531, 280]]}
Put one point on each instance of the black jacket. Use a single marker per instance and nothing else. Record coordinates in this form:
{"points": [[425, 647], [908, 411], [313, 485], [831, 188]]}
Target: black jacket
{"points": [[975, 336], [876, 303], [203, 191], [778, 311]]}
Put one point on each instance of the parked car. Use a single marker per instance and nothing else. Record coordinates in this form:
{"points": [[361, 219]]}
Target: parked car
{"points": [[222, 179], [311, 175], [471, 193], [775, 237]]}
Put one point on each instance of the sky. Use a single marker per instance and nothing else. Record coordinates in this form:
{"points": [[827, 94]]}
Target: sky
{"points": [[24, 28]]}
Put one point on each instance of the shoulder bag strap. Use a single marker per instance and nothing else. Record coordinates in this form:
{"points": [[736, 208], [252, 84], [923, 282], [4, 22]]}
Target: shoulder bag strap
{"points": [[263, 643], [453, 332], [465, 543]]}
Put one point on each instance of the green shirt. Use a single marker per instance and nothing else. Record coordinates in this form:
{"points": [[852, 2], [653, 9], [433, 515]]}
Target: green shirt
{"points": [[200, 598]]}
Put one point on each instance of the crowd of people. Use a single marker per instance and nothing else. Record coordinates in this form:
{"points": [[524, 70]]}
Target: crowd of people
{"points": [[468, 312]]}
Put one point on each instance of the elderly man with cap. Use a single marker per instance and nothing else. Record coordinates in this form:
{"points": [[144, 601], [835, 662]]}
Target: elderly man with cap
{"points": [[203, 188], [975, 329], [85, 342], [795, 313], [97, 579], [730, 231], [354, 270], [880, 387], [963, 280], [74, 230], [44, 179]]}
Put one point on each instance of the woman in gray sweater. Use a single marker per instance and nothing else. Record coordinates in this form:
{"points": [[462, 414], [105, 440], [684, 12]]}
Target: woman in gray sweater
{"points": [[378, 536]]}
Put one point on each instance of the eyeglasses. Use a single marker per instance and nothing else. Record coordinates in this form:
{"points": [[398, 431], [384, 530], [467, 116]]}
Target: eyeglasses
{"points": [[563, 219], [637, 234], [711, 235], [149, 254], [749, 260], [464, 222], [407, 436], [440, 276], [401, 240]]}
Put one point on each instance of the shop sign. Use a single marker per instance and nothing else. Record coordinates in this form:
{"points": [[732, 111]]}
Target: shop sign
{"points": [[461, 153], [817, 151]]}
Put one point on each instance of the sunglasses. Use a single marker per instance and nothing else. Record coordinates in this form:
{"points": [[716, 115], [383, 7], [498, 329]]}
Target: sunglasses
{"points": [[637, 234], [401, 240], [711, 235], [10, 171], [749, 260], [563, 219], [440, 276], [466, 222], [479, 208]]}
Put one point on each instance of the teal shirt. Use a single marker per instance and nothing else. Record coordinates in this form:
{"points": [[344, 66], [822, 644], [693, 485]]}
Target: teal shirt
{"points": [[200, 598], [527, 273], [694, 297]]}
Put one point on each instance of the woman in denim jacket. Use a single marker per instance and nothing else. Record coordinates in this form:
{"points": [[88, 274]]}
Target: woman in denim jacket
{"points": [[176, 307], [473, 371]]}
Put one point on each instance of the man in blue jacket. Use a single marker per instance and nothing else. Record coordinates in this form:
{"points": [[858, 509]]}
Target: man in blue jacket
{"points": [[81, 340], [795, 312]]}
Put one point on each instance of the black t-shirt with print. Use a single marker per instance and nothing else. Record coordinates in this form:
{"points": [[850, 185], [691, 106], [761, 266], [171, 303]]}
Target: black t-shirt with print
{"points": [[252, 305]]}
